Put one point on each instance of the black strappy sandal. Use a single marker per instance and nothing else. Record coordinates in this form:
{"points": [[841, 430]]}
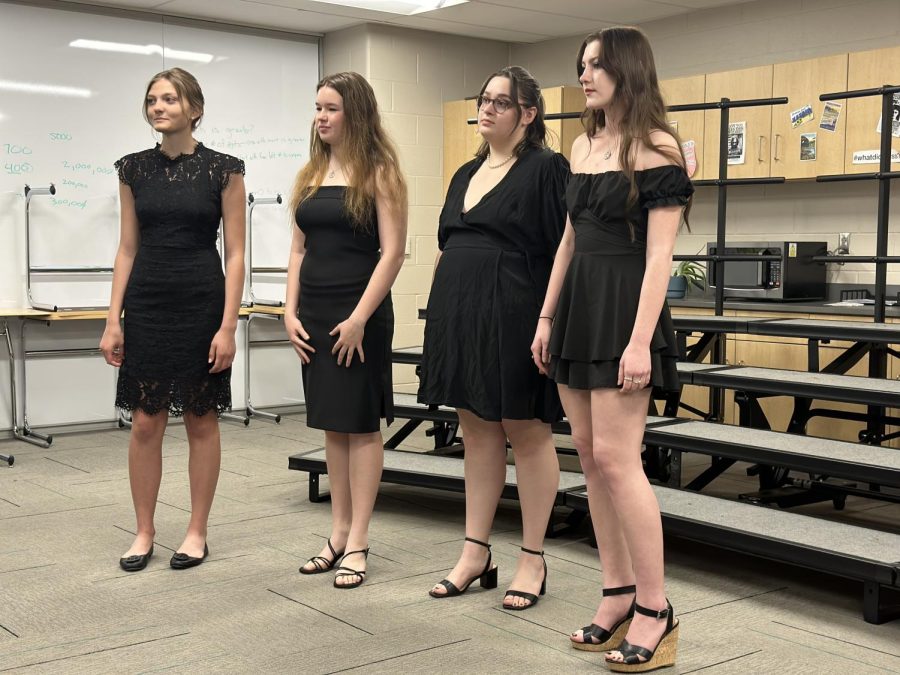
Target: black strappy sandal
{"points": [[531, 597], [322, 564], [343, 571], [597, 639], [487, 577], [637, 659]]}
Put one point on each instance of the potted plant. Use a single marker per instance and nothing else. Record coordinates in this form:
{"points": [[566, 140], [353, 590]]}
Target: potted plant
{"points": [[687, 273]]}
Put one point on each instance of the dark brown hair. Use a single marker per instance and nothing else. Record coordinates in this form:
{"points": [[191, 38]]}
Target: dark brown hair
{"points": [[188, 90], [369, 151], [627, 58], [522, 87]]}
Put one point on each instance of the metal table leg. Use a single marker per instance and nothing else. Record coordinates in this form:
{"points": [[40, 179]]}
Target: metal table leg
{"points": [[9, 459]]}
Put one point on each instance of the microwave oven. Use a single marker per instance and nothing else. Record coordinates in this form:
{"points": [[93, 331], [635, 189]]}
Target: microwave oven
{"points": [[793, 276]]}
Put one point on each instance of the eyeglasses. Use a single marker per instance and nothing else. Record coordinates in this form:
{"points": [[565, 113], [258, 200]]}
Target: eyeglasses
{"points": [[501, 105]]}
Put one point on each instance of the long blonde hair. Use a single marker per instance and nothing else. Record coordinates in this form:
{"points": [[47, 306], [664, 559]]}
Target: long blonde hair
{"points": [[368, 152], [626, 56]]}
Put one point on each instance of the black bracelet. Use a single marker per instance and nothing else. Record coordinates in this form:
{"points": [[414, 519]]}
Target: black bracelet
{"points": [[546, 317]]}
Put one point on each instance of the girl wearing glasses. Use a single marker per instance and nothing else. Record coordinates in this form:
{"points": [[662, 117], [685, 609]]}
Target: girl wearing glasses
{"points": [[503, 217], [612, 338]]}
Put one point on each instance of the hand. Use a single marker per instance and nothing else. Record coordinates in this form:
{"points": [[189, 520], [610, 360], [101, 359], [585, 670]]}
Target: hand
{"points": [[540, 346], [112, 344], [350, 335], [222, 350], [634, 368], [299, 338]]}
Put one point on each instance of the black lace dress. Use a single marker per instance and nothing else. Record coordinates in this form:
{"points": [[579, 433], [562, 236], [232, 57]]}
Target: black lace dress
{"points": [[599, 299], [175, 296]]}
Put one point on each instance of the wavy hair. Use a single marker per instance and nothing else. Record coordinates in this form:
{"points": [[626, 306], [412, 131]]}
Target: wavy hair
{"points": [[368, 152], [522, 87], [627, 58]]}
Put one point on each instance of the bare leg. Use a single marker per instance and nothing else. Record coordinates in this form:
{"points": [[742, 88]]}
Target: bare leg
{"points": [[366, 462], [337, 459], [619, 420], [145, 473], [537, 472], [485, 469], [203, 467], [614, 558]]}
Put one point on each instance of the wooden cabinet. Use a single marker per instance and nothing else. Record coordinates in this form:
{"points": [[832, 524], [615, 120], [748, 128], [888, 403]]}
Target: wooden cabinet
{"points": [[867, 70], [690, 125], [564, 132], [822, 151], [749, 83], [461, 140]]}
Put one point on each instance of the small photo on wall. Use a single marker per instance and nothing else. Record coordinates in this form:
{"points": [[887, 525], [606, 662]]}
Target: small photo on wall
{"points": [[807, 147]]}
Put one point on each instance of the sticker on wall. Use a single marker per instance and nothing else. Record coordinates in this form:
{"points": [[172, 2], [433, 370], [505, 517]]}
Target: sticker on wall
{"points": [[792, 249], [873, 157], [801, 115], [808, 147], [690, 157], [895, 116], [737, 132], [830, 115]]}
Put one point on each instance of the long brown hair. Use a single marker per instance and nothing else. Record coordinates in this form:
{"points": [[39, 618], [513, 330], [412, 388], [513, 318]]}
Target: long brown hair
{"points": [[626, 56], [188, 90], [522, 87], [369, 151]]}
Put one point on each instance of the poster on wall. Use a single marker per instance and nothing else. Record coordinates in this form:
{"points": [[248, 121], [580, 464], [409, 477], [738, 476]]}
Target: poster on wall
{"points": [[895, 118], [737, 132], [690, 157], [873, 157], [801, 116], [830, 115], [808, 147]]}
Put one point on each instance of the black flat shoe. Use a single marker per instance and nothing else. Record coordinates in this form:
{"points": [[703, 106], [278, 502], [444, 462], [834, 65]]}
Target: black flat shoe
{"points": [[321, 563], [181, 561], [487, 577], [135, 563], [595, 638], [530, 597]]}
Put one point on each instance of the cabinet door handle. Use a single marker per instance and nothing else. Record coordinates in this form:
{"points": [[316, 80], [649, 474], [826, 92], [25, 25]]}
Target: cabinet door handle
{"points": [[777, 158], [759, 146]]}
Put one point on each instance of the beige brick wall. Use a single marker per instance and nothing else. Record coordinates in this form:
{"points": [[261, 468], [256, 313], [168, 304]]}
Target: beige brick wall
{"points": [[413, 73]]}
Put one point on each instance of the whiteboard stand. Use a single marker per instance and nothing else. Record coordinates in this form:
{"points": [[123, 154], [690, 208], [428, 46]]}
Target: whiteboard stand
{"points": [[9, 459], [251, 411], [68, 269], [254, 202]]}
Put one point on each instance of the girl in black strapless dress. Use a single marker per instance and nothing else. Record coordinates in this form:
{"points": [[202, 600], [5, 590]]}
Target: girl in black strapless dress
{"points": [[181, 313], [612, 338], [348, 247]]}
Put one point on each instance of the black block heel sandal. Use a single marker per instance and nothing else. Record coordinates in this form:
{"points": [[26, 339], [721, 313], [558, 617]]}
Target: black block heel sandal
{"points": [[597, 639], [640, 659], [487, 577], [531, 597]]}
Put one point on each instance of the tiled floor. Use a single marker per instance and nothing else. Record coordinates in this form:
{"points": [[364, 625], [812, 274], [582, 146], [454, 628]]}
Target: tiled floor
{"points": [[65, 606]]}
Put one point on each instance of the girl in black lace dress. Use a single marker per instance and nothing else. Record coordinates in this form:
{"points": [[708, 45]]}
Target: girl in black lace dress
{"points": [[612, 338], [347, 249], [180, 311]]}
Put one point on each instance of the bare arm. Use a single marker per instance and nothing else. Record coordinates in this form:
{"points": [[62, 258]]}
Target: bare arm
{"points": [[222, 349], [392, 235], [662, 227], [112, 343], [296, 333]]}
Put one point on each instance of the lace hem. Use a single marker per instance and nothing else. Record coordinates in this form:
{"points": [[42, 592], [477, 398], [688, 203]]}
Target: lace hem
{"points": [[178, 396]]}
